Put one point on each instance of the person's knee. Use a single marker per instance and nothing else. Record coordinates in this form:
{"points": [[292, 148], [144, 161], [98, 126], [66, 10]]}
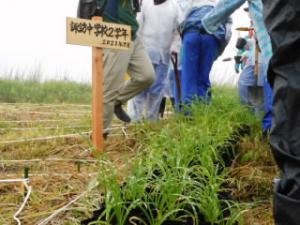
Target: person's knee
{"points": [[148, 78]]}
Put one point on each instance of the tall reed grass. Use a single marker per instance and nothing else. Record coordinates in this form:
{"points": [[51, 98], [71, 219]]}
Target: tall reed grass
{"points": [[52, 91]]}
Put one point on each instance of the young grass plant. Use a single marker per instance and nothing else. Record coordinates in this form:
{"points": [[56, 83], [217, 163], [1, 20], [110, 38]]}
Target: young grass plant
{"points": [[180, 173]]}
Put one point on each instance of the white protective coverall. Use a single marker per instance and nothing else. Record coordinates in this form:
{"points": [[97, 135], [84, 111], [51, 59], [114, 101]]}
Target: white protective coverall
{"points": [[158, 27]]}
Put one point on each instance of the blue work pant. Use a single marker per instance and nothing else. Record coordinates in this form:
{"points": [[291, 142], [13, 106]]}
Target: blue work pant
{"points": [[199, 53], [268, 101]]}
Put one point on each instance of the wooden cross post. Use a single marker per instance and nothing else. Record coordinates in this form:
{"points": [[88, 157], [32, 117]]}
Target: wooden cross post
{"points": [[98, 34]]}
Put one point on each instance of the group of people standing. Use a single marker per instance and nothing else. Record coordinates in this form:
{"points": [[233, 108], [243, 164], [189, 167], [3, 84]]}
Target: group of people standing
{"points": [[169, 31], [199, 30], [158, 22], [254, 89]]}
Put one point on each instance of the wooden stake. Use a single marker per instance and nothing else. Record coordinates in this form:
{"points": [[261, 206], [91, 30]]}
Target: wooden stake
{"points": [[97, 102], [256, 67], [26, 176]]}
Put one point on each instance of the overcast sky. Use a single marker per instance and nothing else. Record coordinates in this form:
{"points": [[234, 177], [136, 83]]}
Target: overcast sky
{"points": [[32, 38]]}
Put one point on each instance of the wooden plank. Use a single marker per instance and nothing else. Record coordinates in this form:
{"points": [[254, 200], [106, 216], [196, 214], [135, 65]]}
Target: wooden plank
{"points": [[97, 89], [97, 33]]}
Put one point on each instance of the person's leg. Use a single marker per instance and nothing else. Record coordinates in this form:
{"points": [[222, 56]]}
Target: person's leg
{"points": [[199, 52], [130, 109], [141, 72], [137, 106], [116, 63], [285, 143], [209, 51], [156, 92], [259, 103], [115, 67], [246, 80], [256, 99], [192, 42], [282, 19], [268, 101], [168, 93], [244, 94], [175, 89]]}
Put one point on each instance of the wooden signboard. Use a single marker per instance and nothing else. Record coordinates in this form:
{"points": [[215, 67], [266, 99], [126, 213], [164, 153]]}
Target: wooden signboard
{"points": [[98, 34]]}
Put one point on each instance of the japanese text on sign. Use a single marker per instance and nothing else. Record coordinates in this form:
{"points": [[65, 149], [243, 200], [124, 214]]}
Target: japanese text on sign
{"points": [[98, 34]]}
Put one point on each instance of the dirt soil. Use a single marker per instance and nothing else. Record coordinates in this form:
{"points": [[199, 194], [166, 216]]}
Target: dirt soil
{"points": [[60, 169]]}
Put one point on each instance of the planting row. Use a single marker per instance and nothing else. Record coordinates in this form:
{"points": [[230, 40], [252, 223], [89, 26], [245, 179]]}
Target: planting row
{"points": [[180, 176]]}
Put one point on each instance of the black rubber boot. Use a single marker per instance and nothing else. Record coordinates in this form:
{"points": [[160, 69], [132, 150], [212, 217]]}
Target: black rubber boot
{"points": [[105, 136], [121, 114]]}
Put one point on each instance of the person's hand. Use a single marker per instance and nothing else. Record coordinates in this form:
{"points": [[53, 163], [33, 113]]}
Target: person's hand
{"points": [[173, 53]]}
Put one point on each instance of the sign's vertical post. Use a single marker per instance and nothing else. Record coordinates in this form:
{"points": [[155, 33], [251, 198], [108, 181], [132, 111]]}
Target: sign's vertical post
{"points": [[100, 35], [97, 95]]}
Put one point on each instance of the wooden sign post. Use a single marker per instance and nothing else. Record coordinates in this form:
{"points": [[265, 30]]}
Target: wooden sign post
{"points": [[98, 35]]}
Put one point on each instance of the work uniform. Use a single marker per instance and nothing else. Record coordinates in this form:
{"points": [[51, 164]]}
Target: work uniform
{"points": [[158, 27], [283, 23], [135, 61], [200, 50]]}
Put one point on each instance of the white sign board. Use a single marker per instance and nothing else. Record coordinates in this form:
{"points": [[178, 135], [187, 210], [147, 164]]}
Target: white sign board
{"points": [[98, 34]]}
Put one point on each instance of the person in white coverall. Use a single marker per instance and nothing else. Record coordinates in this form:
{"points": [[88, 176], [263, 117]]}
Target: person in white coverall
{"points": [[158, 21]]}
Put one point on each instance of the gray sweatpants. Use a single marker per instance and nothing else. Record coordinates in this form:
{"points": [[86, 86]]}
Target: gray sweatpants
{"points": [[136, 62]]}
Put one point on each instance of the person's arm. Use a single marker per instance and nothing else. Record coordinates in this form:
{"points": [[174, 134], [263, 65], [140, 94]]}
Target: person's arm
{"points": [[179, 12], [179, 19], [220, 14]]}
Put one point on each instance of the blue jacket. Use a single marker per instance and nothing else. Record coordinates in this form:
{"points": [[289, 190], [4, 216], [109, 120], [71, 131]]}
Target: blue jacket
{"points": [[225, 8]]}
